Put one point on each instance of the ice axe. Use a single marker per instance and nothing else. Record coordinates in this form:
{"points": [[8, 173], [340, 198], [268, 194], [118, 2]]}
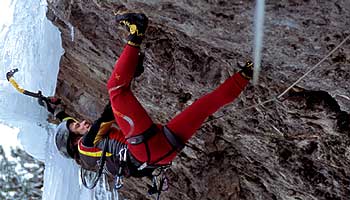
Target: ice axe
{"points": [[42, 100]]}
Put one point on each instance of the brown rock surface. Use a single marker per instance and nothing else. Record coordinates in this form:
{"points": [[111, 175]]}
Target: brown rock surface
{"points": [[297, 148]]}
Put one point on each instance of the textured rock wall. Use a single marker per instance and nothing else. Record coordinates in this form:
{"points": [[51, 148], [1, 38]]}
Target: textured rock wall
{"points": [[296, 148]]}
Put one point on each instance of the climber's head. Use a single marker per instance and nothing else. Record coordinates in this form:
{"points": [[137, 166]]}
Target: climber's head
{"points": [[79, 128], [67, 136]]}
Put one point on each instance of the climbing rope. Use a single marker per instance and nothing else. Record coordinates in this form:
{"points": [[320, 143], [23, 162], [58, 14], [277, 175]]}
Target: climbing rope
{"points": [[314, 67], [276, 98]]}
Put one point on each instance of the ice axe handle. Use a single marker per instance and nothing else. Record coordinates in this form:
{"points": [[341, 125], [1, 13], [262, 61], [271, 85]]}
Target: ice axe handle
{"points": [[38, 95]]}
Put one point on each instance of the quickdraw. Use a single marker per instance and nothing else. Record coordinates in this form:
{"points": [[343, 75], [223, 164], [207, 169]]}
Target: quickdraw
{"points": [[159, 182], [118, 179]]}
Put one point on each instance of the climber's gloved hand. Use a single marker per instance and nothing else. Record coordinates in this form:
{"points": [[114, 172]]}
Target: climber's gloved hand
{"points": [[52, 104], [247, 70], [107, 114]]}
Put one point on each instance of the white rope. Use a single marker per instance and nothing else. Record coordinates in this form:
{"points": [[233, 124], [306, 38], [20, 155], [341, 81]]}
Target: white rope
{"points": [[290, 87], [301, 78], [314, 67]]}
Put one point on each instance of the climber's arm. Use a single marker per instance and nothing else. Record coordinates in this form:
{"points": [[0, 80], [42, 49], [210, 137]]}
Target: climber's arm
{"points": [[100, 127]]}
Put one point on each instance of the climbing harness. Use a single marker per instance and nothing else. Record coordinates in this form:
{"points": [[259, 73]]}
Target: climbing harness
{"points": [[144, 137], [278, 97], [90, 178], [159, 179], [129, 166], [176, 143]]}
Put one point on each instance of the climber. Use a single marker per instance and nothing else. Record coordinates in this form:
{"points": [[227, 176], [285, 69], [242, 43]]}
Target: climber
{"points": [[125, 134]]}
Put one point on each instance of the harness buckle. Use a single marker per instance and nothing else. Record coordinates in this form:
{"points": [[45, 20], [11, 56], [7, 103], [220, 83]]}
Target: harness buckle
{"points": [[143, 137], [136, 140]]}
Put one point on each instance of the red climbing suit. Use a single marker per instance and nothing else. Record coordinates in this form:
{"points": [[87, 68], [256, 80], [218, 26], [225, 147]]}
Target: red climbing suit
{"points": [[133, 119]]}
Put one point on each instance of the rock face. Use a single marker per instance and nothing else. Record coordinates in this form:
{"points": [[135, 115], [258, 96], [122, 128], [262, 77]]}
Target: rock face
{"points": [[294, 148]]}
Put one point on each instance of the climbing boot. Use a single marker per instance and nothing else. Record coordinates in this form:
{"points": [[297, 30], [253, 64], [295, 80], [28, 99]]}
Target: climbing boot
{"points": [[140, 68], [247, 70], [135, 24]]}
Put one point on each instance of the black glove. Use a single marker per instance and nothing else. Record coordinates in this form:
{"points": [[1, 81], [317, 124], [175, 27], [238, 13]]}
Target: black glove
{"points": [[247, 70], [52, 104], [107, 114]]}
